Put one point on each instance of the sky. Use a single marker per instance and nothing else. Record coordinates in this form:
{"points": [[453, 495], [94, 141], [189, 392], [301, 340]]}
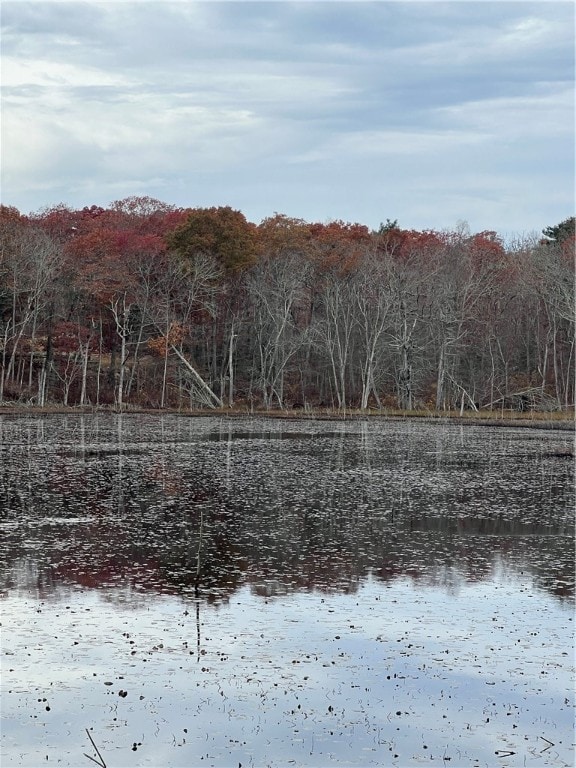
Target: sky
{"points": [[429, 113]]}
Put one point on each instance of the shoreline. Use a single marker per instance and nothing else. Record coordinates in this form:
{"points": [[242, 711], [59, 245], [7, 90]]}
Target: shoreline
{"points": [[534, 419]]}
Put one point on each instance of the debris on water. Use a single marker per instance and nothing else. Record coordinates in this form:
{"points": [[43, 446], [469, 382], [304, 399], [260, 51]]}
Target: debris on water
{"points": [[429, 553]]}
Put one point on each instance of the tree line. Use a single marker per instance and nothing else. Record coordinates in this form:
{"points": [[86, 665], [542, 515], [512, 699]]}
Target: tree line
{"points": [[143, 304]]}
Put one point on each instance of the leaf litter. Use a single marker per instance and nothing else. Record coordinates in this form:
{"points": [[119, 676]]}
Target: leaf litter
{"points": [[215, 592]]}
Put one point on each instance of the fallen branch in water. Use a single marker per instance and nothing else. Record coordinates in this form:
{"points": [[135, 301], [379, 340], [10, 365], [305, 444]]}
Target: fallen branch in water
{"points": [[101, 762]]}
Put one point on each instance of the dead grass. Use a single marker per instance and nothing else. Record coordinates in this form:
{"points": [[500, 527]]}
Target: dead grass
{"points": [[544, 419]]}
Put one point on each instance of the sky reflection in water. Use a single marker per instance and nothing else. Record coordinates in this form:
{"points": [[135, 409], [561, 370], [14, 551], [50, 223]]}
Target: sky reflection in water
{"points": [[368, 594]]}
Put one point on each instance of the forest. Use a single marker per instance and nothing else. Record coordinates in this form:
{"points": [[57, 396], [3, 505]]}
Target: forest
{"points": [[146, 305]]}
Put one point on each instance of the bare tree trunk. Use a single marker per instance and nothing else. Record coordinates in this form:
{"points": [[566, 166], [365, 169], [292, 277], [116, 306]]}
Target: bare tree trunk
{"points": [[99, 369], [441, 378], [31, 359], [213, 398], [2, 372], [164, 373], [231, 367], [120, 398], [121, 313], [405, 383], [85, 352], [43, 381]]}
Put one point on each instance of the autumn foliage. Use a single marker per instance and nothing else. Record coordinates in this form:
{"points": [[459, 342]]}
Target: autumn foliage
{"points": [[145, 304]]}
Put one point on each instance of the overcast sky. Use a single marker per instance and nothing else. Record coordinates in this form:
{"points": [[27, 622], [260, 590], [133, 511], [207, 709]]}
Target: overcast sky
{"points": [[426, 112]]}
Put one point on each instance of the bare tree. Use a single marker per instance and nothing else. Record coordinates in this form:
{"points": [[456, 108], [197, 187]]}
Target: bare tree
{"points": [[29, 263], [276, 287], [409, 313], [121, 309], [549, 276], [373, 300], [335, 329], [176, 294]]}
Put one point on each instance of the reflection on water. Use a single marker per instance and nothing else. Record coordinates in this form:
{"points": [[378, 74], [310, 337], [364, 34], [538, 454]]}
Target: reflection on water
{"points": [[99, 501], [293, 561]]}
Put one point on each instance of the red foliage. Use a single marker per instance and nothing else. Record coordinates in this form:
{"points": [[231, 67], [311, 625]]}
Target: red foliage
{"points": [[106, 249], [67, 337], [404, 244], [339, 245], [10, 214]]}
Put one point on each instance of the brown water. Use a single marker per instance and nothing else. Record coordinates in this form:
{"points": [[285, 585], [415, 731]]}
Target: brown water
{"points": [[205, 592]]}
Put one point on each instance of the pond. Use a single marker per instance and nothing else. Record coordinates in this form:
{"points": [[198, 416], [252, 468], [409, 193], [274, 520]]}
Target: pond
{"points": [[251, 592]]}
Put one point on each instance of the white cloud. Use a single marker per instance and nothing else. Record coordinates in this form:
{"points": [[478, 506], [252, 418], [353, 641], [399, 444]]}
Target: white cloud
{"points": [[389, 143], [548, 114], [19, 72], [305, 108]]}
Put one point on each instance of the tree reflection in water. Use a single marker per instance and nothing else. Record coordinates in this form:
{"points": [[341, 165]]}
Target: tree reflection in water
{"points": [[201, 507], [263, 593]]}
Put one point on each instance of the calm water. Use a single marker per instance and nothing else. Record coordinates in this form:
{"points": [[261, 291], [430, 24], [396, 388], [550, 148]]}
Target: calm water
{"points": [[206, 592]]}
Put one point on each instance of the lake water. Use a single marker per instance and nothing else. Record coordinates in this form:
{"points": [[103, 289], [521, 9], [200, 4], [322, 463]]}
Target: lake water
{"points": [[252, 592]]}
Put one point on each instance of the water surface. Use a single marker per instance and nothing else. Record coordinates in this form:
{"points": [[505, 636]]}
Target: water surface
{"points": [[203, 591]]}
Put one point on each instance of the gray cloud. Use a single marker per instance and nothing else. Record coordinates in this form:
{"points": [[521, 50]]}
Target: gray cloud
{"points": [[426, 112]]}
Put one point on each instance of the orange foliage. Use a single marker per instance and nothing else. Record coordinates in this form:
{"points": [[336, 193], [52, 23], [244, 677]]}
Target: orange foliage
{"points": [[281, 235], [339, 245], [161, 344]]}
